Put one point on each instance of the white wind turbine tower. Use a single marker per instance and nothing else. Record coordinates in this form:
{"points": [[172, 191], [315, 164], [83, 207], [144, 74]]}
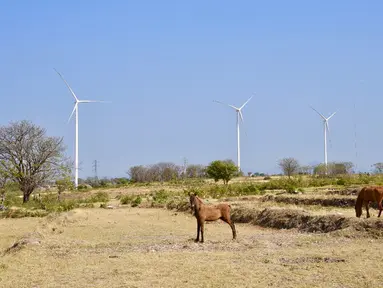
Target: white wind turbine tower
{"points": [[326, 130], [239, 115], [75, 108]]}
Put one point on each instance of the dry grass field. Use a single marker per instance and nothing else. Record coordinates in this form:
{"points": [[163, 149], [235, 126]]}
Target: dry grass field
{"points": [[151, 247]]}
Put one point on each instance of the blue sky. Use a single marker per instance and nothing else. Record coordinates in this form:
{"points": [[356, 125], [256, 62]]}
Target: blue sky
{"points": [[162, 63]]}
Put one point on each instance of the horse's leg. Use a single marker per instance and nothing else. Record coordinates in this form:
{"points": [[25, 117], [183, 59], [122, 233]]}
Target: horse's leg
{"points": [[198, 228], [231, 223], [380, 207], [202, 230], [366, 203]]}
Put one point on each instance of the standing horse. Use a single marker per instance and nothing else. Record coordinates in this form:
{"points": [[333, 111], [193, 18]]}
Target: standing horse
{"points": [[367, 194], [205, 212]]}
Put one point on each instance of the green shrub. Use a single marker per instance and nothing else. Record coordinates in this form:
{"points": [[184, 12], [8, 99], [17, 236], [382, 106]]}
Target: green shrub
{"points": [[137, 201], [160, 196], [126, 199], [341, 182], [82, 187], [364, 179], [99, 197]]}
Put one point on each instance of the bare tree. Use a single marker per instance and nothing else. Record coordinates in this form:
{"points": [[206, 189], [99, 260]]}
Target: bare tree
{"points": [[3, 182], [306, 170], [289, 166], [138, 173], [29, 157], [163, 171], [195, 171]]}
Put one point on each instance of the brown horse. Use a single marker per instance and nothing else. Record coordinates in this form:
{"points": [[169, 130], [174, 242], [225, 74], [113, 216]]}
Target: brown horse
{"points": [[367, 194], [205, 212]]}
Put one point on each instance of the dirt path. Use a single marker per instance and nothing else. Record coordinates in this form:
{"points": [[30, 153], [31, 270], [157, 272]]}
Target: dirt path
{"points": [[136, 247]]}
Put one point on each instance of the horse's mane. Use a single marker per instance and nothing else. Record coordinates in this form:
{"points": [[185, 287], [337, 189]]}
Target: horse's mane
{"points": [[199, 199]]}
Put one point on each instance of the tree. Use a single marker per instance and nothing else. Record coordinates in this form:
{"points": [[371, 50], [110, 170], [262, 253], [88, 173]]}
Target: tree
{"points": [[289, 166], [222, 170], [340, 168], [334, 168], [320, 169], [138, 173], [163, 171], [378, 167], [29, 157], [195, 171], [64, 183], [3, 182]]}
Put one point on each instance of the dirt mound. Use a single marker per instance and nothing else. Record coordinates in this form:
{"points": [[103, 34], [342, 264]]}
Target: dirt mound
{"points": [[29, 239], [353, 191], [325, 224], [290, 219], [337, 202], [282, 218]]}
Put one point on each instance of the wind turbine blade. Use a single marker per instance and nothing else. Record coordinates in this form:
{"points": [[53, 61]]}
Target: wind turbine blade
{"points": [[328, 132], [74, 108], [331, 115], [226, 104], [245, 102], [93, 101], [324, 118], [243, 122], [240, 114], [220, 102], [66, 83]]}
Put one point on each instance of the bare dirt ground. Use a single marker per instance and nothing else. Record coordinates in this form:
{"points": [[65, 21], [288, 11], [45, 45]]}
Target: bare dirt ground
{"points": [[138, 247]]}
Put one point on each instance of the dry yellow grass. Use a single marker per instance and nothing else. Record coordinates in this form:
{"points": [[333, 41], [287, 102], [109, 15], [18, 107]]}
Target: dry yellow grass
{"points": [[135, 247]]}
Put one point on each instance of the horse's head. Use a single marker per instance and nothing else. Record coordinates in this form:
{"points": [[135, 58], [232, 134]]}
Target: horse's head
{"points": [[358, 206], [192, 200]]}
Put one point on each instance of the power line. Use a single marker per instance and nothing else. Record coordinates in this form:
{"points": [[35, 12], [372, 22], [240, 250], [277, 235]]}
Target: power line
{"points": [[95, 164]]}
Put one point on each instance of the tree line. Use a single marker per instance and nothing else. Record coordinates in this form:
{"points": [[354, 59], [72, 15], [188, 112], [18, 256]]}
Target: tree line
{"points": [[30, 158]]}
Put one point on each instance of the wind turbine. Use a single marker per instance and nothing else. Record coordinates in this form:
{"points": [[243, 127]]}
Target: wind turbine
{"points": [[326, 130], [75, 109], [239, 115]]}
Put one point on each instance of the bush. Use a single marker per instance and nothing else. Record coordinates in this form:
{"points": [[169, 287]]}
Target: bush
{"points": [[160, 196], [137, 201], [126, 199], [341, 182], [131, 199], [84, 187], [100, 197]]}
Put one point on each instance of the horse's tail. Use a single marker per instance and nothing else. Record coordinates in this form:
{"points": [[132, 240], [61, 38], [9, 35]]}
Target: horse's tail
{"points": [[359, 203]]}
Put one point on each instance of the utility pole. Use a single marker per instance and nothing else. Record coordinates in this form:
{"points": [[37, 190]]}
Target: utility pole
{"points": [[95, 163]]}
